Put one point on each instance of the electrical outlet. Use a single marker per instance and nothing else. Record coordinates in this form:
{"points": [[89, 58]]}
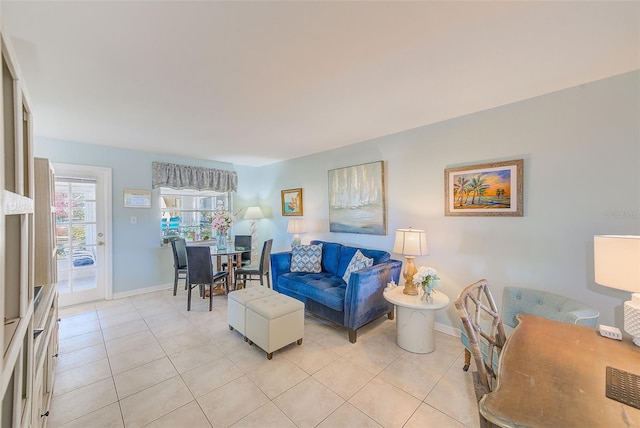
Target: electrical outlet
{"points": [[134, 219]]}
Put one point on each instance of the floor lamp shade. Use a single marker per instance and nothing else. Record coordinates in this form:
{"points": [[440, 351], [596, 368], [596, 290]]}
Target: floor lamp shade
{"points": [[253, 213]]}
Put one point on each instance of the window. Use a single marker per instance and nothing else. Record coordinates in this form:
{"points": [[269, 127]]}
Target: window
{"points": [[187, 213]]}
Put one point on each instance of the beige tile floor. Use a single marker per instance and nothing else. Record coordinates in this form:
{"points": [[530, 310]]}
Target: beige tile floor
{"points": [[146, 361]]}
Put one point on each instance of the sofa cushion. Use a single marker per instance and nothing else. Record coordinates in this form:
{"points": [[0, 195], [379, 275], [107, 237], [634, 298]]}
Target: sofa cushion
{"points": [[306, 258], [347, 253], [358, 261], [330, 254], [323, 287]]}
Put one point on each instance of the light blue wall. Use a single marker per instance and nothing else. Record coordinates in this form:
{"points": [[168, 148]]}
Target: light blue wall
{"points": [[581, 151], [581, 148], [138, 260]]}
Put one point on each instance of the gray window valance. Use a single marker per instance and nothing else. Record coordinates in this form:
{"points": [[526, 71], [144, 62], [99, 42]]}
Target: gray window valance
{"points": [[193, 177]]}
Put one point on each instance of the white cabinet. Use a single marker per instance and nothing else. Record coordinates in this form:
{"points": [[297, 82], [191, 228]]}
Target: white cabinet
{"points": [[45, 353], [16, 248], [45, 222], [29, 337], [45, 313]]}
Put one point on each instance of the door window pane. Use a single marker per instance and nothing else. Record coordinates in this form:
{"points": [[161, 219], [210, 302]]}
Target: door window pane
{"points": [[76, 233]]}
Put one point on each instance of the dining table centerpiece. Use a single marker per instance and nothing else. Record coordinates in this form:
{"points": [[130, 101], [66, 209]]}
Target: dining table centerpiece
{"points": [[221, 223], [427, 278]]}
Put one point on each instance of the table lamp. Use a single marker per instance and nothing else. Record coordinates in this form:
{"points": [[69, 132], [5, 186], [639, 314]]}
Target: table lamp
{"points": [[410, 243], [296, 226], [617, 265]]}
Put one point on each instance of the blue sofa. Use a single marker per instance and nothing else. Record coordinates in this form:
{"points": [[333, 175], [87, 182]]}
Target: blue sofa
{"points": [[325, 294]]}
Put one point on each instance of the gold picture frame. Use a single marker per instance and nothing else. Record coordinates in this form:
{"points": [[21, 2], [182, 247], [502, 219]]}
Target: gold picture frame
{"points": [[291, 202], [489, 189]]}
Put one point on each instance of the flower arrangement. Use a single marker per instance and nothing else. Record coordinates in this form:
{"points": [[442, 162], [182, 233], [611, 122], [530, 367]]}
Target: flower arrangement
{"points": [[427, 278], [222, 221]]}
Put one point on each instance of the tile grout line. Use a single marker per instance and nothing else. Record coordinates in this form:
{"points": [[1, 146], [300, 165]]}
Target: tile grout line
{"points": [[198, 324]]}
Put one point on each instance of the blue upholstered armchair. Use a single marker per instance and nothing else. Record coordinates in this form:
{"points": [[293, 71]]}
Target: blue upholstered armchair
{"points": [[552, 306], [547, 305]]}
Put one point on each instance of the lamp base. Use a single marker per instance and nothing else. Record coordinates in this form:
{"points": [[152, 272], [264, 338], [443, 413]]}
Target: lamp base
{"points": [[409, 270], [632, 317], [296, 241]]}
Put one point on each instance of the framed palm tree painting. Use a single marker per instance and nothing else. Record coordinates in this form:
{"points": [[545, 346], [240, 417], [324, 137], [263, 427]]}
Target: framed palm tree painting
{"points": [[490, 189]]}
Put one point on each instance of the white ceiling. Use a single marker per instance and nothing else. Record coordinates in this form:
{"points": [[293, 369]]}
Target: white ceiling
{"points": [[254, 83]]}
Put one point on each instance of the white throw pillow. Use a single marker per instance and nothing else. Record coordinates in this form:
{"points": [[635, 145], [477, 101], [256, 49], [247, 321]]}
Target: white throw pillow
{"points": [[306, 258], [358, 261]]}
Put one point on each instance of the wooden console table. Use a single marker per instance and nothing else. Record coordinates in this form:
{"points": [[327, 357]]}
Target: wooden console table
{"points": [[553, 374]]}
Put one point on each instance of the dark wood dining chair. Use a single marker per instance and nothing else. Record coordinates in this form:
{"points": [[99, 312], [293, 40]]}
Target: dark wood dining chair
{"points": [[200, 273], [259, 271], [242, 241], [179, 248]]}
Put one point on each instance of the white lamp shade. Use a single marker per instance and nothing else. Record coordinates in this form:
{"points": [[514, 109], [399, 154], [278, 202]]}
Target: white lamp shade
{"points": [[253, 213], [296, 225], [617, 261], [411, 242]]}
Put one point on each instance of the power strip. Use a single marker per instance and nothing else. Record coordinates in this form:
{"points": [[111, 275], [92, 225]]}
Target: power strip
{"points": [[610, 332]]}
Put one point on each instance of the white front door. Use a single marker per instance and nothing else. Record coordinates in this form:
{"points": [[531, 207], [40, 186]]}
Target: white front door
{"points": [[83, 206]]}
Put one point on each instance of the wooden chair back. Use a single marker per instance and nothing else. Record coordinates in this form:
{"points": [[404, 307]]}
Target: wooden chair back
{"points": [[481, 320]]}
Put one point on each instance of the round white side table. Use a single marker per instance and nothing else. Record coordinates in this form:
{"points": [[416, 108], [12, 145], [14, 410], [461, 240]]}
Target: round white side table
{"points": [[415, 319]]}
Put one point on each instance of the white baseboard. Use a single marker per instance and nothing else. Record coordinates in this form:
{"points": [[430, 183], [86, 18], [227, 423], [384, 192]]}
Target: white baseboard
{"points": [[447, 329], [139, 291]]}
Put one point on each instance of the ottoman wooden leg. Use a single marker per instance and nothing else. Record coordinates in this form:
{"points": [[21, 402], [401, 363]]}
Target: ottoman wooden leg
{"points": [[269, 355], [231, 328], [299, 341]]}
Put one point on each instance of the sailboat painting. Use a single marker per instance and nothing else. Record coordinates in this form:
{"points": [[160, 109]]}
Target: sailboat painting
{"points": [[357, 199]]}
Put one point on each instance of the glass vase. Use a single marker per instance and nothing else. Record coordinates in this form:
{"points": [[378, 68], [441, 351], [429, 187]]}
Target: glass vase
{"points": [[221, 241], [427, 296]]}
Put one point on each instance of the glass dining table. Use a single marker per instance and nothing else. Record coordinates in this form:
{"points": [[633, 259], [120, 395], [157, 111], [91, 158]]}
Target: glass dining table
{"points": [[233, 255]]}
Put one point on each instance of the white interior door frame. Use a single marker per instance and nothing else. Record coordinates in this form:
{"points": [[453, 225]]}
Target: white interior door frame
{"points": [[104, 193]]}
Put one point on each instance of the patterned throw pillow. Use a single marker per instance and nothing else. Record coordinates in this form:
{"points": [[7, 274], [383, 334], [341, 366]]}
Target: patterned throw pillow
{"points": [[358, 261], [306, 258]]}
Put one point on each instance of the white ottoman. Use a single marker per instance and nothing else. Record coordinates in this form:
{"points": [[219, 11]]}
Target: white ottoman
{"points": [[237, 302], [274, 322]]}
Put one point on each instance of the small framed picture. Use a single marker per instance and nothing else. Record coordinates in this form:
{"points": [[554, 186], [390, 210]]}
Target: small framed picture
{"points": [[490, 189], [291, 202], [134, 198]]}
